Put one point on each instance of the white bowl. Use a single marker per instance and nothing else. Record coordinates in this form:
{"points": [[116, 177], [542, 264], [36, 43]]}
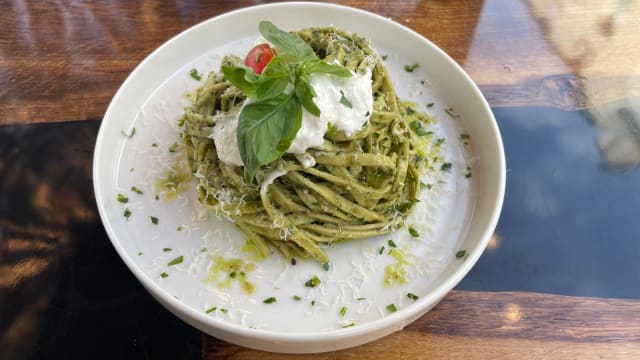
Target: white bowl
{"points": [[162, 76]]}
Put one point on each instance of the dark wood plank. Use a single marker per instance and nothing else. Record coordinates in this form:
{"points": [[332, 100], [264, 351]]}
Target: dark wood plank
{"points": [[505, 325]]}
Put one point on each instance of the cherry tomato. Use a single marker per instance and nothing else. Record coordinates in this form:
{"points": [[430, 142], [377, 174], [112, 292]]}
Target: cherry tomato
{"points": [[259, 57]]}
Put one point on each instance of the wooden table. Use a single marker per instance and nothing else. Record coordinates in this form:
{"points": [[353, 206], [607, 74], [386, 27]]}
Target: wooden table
{"points": [[563, 79]]}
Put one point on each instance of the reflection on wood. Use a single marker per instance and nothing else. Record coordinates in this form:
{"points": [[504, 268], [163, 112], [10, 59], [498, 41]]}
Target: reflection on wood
{"points": [[566, 92], [507, 325], [599, 41], [45, 207]]}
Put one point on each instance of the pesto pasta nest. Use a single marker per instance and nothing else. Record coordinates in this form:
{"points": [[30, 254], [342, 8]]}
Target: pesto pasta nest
{"points": [[360, 186]]}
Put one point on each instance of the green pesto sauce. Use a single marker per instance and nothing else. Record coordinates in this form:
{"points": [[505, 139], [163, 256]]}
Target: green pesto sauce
{"points": [[173, 182], [251, 251], [226, 272], [396, 273], [425, 145], [413, 114]]}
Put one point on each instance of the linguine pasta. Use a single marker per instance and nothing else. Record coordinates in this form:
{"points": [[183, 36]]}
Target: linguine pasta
{"points": [[360, 186]]}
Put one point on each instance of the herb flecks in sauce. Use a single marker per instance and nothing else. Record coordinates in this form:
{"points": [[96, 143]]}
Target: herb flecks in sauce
{"points": [[221, 271], [396, 273], [173, 182]]}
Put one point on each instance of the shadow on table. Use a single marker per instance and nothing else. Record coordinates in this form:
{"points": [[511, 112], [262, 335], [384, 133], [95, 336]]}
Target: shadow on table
{"points": [[64, 292]]}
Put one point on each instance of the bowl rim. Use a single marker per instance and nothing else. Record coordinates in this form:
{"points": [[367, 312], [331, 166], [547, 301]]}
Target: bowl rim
{"points": [[423, 304]]}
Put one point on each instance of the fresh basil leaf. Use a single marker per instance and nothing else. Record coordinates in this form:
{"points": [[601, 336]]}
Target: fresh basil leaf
{"points": [[274, 79], [305, 93], [242, 78], [318, 66], [265, 131], [277, 68], [270, 87], [285, 42]]}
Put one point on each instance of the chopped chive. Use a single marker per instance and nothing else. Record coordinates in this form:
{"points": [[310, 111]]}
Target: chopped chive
{"points": [[325, 266], [343, 311], [367, 114], [391, 243], [313, 282], [293, 261], [210, 310], [123, 199], [446, 166], [232, 275], [127, 213], [402, 208], [392, 308], [467, 175], [154, 145], [224, 310], [203, 249], [461, 253], [179, 228], [173, 147], [344, 101], [465, 136], [384, 57], [313, 303], [413, 232], [381, 250], [136, 190], [157, 197], [418, 128], [376, 134], [349, 325], [450, 112], [154, 220], [164, 275], [139, 253], [269, 300], [361, 298], [425, 186], [194, 74], [410, 68], [130, 134], [430, 105], [409, 110], [167, 249], [181, 122], [440, 141], [412, 296], [297, 298], [176, 261]]}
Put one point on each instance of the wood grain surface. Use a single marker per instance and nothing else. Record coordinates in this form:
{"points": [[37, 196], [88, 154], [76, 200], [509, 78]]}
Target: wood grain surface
{"points": [[62, 61], [503, 325]]}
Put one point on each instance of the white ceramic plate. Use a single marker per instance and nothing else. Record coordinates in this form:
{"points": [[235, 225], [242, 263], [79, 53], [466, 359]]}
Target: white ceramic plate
{"points": [[458, 212]]}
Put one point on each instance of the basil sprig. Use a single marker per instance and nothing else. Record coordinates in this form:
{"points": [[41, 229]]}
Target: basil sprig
{"points": [[268, 124]]}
